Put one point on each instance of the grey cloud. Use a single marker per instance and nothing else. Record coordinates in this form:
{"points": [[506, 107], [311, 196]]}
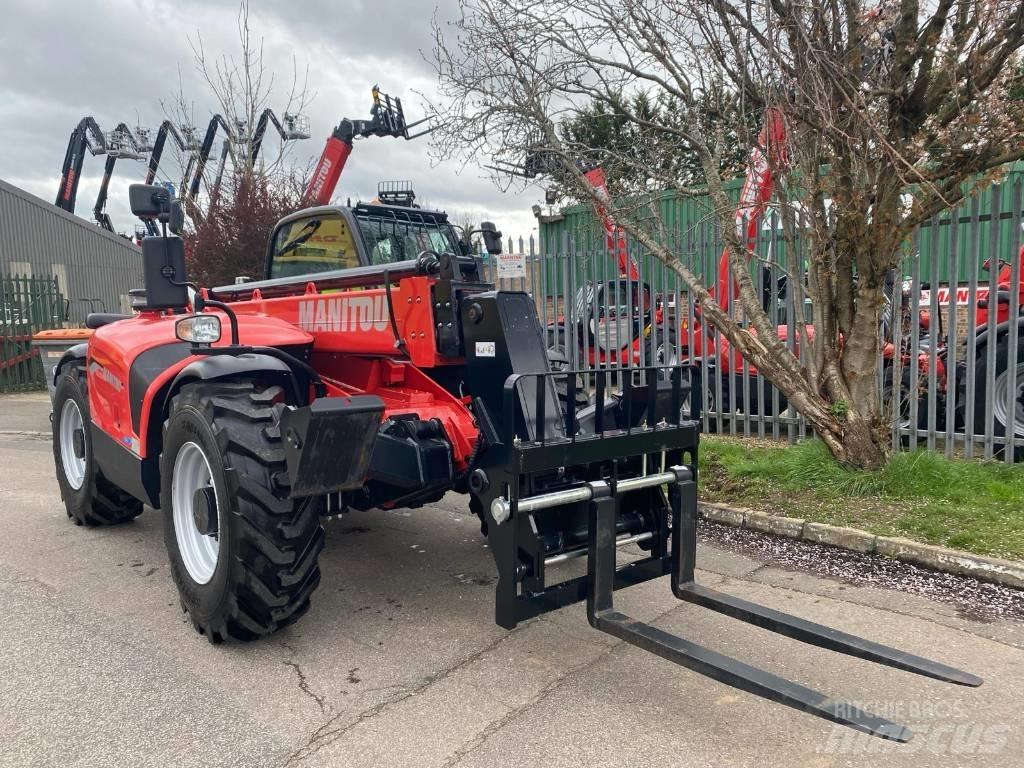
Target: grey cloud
{"points": [[116, 60]]}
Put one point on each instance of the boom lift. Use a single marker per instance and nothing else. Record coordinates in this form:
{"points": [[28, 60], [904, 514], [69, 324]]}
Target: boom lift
{"points": [[373, 367], [86, 136], [291, 127], [120, 143], [197, 164], [156, 152]]}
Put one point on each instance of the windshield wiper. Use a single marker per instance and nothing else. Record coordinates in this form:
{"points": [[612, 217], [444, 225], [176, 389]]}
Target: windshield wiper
{"points": [[300, 238]]}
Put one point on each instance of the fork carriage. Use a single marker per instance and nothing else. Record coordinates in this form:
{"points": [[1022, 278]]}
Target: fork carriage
{"points": [[588, 490]]}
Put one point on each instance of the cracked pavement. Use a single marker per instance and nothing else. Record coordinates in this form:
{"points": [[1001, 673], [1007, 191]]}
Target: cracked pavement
{"points": [[399, 661]]}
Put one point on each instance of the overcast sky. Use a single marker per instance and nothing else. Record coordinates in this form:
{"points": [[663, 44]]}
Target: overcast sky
{"points": [[117, 59]]}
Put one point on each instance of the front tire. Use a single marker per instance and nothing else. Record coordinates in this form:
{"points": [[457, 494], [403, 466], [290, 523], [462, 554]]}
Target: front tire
{"points": [[760, 400], [89, 498], [243, 555]]}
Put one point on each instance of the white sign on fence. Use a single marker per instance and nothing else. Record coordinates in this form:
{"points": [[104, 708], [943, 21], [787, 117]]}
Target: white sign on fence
{"points": [[511, 265]]}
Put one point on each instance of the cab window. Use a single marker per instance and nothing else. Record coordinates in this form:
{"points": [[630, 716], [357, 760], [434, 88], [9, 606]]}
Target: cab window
{"points": [[392, 240], [315, 244], [624, 296]]}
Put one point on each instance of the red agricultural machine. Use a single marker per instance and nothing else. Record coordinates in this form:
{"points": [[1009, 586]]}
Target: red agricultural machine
{"points": [[977, 372], [617, 322], [373, 368]]}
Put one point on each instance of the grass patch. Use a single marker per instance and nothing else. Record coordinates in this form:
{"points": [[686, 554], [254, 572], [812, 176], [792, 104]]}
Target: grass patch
{"points": [[973, 505]]}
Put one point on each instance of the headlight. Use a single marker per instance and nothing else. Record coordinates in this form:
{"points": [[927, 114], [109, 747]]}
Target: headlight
{"points": [[198, 329]]}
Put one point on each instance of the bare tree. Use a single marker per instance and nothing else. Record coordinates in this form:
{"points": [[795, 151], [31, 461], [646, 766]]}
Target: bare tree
{"points": [[248, 181], [244, 91], [879, 102], [230, 241], [465, 221], [244, 88]]}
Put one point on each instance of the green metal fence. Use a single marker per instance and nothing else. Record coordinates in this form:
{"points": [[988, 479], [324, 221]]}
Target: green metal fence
{"points": [[27, 305], [984, 225]]}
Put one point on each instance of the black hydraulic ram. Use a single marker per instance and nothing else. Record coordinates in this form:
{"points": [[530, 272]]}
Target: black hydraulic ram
{"points": [[628, 472]]}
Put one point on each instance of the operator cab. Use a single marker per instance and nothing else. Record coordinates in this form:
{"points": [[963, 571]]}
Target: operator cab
{"points": [[331, 238]]}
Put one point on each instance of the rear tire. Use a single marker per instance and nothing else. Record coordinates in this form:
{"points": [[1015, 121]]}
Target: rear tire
{"points": [[255, 572], [1001, 395], [89, 498], [666, 353], [909, 389]]}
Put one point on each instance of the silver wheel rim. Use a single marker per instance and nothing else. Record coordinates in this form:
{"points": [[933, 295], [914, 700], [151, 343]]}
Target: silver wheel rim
{"points": [[1003, 399], [199, 552], [662, 359], [70, 422]]}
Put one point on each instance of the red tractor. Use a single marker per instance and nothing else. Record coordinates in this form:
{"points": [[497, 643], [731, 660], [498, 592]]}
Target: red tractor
{"points": [[372, 368]]}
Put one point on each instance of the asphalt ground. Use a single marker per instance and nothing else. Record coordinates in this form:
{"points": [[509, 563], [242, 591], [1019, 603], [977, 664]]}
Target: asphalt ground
{"points": [[399, 663]]}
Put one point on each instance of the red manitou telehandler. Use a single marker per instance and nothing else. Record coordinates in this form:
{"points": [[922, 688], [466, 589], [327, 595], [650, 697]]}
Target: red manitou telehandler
{"points": [[372, 367]]}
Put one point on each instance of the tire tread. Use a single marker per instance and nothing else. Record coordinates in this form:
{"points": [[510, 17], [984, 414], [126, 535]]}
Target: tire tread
{"points": [[279, 539]]}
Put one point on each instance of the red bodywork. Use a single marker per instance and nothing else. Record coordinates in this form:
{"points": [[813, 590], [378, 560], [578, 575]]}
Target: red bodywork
{"points": [[353, 350], [614, 238], [1004, 285]]}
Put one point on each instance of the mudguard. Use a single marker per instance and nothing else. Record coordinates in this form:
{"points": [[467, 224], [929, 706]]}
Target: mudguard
{"points": [[216, 367], [77, 352]]}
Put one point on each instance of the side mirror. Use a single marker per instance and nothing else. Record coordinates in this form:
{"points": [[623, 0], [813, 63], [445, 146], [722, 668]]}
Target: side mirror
{"points": [[175, 218], [148, 201], [492, 237]]}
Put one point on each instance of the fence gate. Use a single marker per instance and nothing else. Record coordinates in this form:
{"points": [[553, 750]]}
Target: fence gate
{"points": [[27, 305]]}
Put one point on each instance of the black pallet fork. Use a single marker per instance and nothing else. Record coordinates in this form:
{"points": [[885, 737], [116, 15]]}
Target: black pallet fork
{"points": [[536, 499]]}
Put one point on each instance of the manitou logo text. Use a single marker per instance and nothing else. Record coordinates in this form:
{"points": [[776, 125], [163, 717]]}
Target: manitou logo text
{"points": [[321, 177], [343, 313], [963, 295]]}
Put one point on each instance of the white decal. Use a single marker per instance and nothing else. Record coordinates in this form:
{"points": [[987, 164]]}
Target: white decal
{"points": [[321, 178], [962, 294], [344, 313], [99, 371], [485, 349]]}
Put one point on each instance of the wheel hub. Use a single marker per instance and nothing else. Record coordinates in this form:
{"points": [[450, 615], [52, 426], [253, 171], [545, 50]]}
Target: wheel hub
{"points": [[78, 443], [204, 510], [1006, 399]]}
